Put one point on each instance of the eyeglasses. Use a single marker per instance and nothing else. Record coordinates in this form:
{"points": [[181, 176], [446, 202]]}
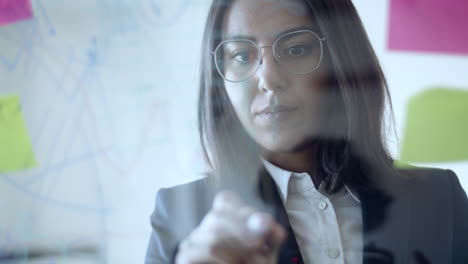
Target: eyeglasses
{"points": [[299, 52]]}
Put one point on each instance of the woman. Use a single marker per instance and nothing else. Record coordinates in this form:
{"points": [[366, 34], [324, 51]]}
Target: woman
{"points": [[291, 108]]}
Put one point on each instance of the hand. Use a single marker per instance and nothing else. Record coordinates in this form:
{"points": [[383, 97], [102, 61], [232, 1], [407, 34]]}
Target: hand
{"points": [[232, 233]]}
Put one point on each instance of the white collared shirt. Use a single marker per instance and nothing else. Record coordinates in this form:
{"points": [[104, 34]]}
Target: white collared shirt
{"points": [[328, 228]]}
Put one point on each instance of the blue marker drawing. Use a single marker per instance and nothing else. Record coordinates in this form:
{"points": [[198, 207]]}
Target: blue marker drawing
{"points": [[24, 41], [68, 84], [45, 17]]}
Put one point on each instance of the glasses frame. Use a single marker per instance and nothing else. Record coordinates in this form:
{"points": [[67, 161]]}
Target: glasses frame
{"points": [[277, 57]]}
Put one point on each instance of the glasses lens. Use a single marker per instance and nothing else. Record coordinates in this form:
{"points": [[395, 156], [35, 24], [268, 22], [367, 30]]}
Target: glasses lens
{"points": [[237, 60], [299, 52]]}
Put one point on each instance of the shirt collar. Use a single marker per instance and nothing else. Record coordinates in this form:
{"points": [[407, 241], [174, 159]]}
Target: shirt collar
{"points": [[282, 177]]}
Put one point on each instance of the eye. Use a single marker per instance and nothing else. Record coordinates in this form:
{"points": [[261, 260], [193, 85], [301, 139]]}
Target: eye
{"points": [[241, 56], [297, 50]]}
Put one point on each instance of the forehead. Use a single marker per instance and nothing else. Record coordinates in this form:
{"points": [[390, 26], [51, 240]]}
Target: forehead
{"points": [[265, 18]]}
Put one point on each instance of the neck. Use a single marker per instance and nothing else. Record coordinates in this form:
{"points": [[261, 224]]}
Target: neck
{"points": [[300, 161]]}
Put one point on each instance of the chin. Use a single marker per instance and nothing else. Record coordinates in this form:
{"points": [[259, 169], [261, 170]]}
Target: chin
{"points": [[286, 145], [280, 145]]}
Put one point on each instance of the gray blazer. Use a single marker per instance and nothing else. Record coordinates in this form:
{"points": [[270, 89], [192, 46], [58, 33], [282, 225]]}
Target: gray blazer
{"points": [[417, 216]]}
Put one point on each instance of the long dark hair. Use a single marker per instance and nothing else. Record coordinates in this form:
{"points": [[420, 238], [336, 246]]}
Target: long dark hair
{"points": [[357, 78]]}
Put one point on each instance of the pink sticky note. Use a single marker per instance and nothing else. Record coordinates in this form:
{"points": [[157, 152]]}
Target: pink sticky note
{"points": [[14, 10], [429, 26]]}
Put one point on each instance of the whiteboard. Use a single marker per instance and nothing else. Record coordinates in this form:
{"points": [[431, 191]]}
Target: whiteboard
{"points": [[109, 118]]}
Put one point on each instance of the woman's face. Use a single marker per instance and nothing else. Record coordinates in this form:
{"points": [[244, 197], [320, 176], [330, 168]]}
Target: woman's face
{"points": [[303, 97]]}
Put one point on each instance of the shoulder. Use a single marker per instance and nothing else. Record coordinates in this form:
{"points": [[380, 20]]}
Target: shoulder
{"points": [[427, 190], [439, 205], [432, 187], [192, 189], [191, 199], [178, 210], [426, 179]]}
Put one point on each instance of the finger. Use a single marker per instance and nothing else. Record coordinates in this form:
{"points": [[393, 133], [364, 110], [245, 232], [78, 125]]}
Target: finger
{"points": [[198, 256], [220, 228], [229, 239], [259, 223], [267, 235], [225, 201], [222, 244], [217, 224], [278, 234], [261, 259], [245, 212], [206, 246]]}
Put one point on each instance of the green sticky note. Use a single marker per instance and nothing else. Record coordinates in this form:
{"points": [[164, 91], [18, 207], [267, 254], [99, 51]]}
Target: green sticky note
{"points": [[436, 127], [402, 165], [16, 152]]}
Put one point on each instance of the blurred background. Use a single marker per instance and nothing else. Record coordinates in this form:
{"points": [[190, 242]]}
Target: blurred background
{"points": [[98, 111]]}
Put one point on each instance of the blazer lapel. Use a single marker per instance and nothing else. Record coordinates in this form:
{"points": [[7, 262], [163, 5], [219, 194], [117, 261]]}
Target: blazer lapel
{"points": [[289, 252]]}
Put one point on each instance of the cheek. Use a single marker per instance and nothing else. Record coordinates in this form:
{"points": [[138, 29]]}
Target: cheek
{"points": [[241, 96], [324, 113], [310, 93], [313, 96]]}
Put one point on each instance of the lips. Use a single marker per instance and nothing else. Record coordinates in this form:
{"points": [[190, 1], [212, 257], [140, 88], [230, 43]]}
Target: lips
{"points": [[275, 109], [274, 116]]}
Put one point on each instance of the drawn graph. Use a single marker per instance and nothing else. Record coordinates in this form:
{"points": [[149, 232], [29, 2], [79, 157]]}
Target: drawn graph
{"points": [[98, 117]]}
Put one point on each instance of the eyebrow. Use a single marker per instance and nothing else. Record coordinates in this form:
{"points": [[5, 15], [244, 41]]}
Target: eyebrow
{"points": [[277, 35]]}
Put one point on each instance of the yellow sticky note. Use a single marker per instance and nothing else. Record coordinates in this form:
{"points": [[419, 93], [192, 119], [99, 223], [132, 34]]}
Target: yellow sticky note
{"points": [[16, 152]]}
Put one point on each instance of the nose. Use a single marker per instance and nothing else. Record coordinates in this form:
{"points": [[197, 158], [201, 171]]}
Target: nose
{"points": [[269, 74]]}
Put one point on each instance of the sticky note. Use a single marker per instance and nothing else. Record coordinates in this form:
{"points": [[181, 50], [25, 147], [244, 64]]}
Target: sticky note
{"points": [[403, 165], [429, 26], [14, 10], [16, 152], [436, 128]]}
